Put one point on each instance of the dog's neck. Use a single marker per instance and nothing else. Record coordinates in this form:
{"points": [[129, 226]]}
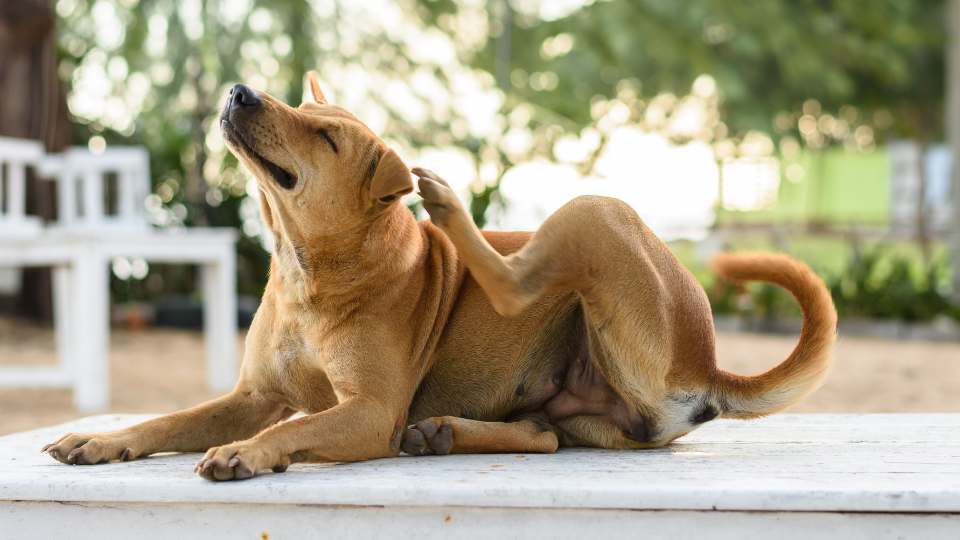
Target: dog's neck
{"points": [[338, 269]]}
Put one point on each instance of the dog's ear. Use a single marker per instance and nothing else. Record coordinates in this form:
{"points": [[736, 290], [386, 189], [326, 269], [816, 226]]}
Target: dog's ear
{"points": [[315, 87], [391, 179]]}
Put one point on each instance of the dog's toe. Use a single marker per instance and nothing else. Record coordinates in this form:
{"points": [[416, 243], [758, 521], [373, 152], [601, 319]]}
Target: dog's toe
{"points": [[80, 449], [442, 441], [428, 427], [428, 437], [414, 443], [427, 173]]}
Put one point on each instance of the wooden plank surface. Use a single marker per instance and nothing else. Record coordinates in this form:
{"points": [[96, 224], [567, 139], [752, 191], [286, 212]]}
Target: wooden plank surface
{"points": [[890, 463]]}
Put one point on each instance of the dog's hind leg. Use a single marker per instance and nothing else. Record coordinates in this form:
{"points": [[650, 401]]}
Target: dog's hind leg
{"points": [[452, 435], [643, 309], [562, 255]]}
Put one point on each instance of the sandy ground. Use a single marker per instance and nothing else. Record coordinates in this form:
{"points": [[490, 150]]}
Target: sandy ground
{"points": [[155, 371]]}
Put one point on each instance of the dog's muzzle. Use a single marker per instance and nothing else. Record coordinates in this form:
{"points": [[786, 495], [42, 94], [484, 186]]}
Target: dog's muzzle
{"points": [[241, 99]]}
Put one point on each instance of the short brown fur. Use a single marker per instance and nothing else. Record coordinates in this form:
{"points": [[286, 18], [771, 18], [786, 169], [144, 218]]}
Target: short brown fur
{"points": [[433, 338]]}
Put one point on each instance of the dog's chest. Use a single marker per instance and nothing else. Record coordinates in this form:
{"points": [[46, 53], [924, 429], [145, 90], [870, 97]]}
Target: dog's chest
{"points": [[297, 372], [289, 350]]}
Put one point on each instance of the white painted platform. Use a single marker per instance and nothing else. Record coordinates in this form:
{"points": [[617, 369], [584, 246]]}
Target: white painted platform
{"points": [[788, 476]]}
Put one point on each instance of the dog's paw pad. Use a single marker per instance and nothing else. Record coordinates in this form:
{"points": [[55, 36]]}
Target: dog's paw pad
{"points": [[428, 437]]}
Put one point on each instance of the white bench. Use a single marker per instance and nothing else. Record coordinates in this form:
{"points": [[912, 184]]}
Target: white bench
{"points": [[784, 477], [80, 245]]}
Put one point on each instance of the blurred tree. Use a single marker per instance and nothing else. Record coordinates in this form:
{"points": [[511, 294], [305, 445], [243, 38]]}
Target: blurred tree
{"points": [[155, 73], [767, 58], [779, 74], [810, 73], [953, 128], [34, 106]]}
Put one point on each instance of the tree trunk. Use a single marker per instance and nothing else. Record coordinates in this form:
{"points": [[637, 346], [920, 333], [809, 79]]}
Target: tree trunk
{"points": [[34, 106], [953, 131]]}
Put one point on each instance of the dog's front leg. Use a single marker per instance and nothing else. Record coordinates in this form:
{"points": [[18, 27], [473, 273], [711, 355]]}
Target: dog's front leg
{"points": [[373, 374], [359, 428], [235, 416]]}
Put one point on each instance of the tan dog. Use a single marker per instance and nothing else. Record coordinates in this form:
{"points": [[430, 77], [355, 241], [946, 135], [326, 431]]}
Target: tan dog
{"points": [[437, 338]]}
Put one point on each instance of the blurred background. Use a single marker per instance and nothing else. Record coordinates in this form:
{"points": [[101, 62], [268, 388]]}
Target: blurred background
{"points": [[821, 128]]}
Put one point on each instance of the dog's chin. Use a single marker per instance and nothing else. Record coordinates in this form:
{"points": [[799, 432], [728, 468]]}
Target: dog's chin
{"points": [[241, 147]]}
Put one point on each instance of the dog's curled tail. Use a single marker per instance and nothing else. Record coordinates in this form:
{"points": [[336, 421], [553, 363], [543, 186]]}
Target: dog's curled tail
{"points": [[802, 372]]}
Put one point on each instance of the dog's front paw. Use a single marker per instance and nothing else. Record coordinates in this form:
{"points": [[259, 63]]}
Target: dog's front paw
{"points": [[439, 200], [428, 437], [239, 461], [91, 448]]}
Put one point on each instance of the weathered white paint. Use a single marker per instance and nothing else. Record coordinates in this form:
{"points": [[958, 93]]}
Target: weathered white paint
{"points": [[850, 476]]}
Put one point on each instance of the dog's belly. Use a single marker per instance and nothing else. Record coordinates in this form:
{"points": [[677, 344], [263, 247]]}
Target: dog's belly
{"points": [[494, 369], [487, 367]]}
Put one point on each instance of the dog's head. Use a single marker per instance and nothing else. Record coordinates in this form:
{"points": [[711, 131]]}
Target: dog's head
{"points": [[321, 172]]}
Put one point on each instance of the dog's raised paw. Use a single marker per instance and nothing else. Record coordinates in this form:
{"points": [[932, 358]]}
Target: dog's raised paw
{"points": [[428, 437], [439, 200]]}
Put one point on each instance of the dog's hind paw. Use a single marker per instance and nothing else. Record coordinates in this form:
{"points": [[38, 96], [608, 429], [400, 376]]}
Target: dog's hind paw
{"points": [[428, 437], [439, 200]]}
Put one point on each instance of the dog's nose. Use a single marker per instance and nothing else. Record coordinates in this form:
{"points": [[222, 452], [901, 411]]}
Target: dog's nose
{"points": [[243, 96]]}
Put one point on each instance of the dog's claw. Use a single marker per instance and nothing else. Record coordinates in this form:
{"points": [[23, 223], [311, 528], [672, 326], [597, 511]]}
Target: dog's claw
{"points": [[429, 175]]}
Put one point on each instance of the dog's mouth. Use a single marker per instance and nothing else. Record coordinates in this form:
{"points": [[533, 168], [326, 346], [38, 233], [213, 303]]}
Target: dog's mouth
{"points": [[281, 176]]}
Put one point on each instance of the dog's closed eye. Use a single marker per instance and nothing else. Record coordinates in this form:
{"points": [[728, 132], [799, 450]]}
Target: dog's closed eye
{"points": [[326, 136]]}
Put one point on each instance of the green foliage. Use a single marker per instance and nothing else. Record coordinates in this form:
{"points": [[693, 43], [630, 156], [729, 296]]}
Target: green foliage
{"points": [[157, 72], [884, 59], [882, 282], [878, 65], [480, 203]]}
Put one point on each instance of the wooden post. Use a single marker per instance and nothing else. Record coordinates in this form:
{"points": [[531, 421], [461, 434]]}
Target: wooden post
{"points": [[953, 132]]}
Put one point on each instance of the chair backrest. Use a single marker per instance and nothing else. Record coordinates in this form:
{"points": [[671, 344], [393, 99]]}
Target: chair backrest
{"points": [[16, 155], [82, 187]]}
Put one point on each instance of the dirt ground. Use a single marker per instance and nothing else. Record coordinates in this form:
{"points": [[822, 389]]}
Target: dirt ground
{"points": [[159, 370]]}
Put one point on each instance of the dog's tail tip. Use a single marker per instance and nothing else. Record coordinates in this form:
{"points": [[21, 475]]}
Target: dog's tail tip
{"points": [[803, 371]]}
